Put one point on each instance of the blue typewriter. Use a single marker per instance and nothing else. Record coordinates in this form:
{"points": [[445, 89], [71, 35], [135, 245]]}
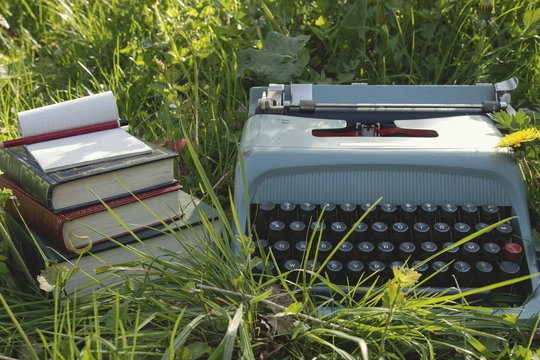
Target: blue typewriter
{"points": [[329, 152]]}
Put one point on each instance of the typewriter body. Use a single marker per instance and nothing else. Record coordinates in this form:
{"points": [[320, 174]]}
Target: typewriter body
{"points": [[331, 151]]}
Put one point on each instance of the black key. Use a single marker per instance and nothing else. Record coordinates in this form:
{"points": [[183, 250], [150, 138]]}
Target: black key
{"points": [[297, 231], [470, 251], [462, 271], [365, 251], [491, 252], [308, 212], [485, 237], [386, 251], [379, 231], [312, 265], [282, 251], [287, 212], [276, 231], [291, 265], [513, 251], [428, 249], [502, 233], [469, 214], [348, 214], [508, 270], [377, 267], [489, 213], [329, 211], [261, 248], [428, 212], [441, 232], [338, 230], [485, 273], [396, 264], [345, 252], [370, 217], [442, 278], [408, 213], [300, 249], [266, 213], [361, 232], [400, 232], [461, 230], [450, 254], [449, 213], [318, 229], [388, 213], [263, 267], [421, 232], [355, 269], [334, 269], [325, 248], [407, 251], [422, 269]]}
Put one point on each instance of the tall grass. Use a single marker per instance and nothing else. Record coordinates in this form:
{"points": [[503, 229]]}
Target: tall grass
{"points": [[188, 65]]}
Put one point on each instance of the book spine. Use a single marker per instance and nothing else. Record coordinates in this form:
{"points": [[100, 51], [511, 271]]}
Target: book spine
{"points": [[26, 177]]}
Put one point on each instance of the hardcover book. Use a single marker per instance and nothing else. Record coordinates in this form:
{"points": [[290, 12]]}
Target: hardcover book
{"points": [[68, 189], [94, 224]]}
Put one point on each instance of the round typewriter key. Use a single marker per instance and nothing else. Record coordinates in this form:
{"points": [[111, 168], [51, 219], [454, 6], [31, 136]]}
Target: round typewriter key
{"points": [[266, 212], [325, 248], [379, 231], [355, 269], [485, 237], [318, 229], [421, 232], [428, 249], [366, 251], [484, 273], [276, 231], [292, 265], [442, 271], [312, 265], [441, 232], [451, 253], [287, 212], [345, 251], [512, 251], [386, 251], [461, 230], [508, 270], [388, 213], [261, 248], [428, 212], [422, 269], [262, 267], [491, 251], [282, 251], [407, 213], [396, 264], [334, 269], [329, 212], [489, 213], [347, 213], [400, 232], [338, 230], [469, 214], [361, 232], [470, 251], [370, 216], [449, 213], [407, 250], [462, 271], [376, 266], [297, 231], [308, 212], [300, 249], [502, 233]]}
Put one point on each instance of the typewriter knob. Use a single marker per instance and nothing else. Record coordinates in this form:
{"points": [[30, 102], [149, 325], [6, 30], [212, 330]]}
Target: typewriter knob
{"points": [[396, 264], [484, 273], [345, 251], [449, 213], [485, 237], [300, 249], [491, 251], [276, 231], [461, 230], [361, 232], [441, 232], [318, 229], [428, 212], [282, 251], [297, 230], [334, 269], [312, 265], [422, 269], [428, 249], [451, 253], [308, 212], [388, 213], [508, 270], [348, 213], [470, 251], [489, 213], [386, 251], [355, 268], [370, 216], [421, 232], [469, 214], [512, 251], [329, 211], [443, 275], [287, 211], [379, 231], [378, 267], [407, 213], [503, 233], [365, 251], [407, 250], [400, 232], [325, 248], [338, 229], [291, 265], [462, 271]]}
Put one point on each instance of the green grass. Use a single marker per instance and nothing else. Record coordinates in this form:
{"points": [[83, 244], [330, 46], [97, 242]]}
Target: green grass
{"points": [[189, 65]]}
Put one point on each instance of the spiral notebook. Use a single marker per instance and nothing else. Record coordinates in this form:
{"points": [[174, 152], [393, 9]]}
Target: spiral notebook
{"points": [[94, 147]]}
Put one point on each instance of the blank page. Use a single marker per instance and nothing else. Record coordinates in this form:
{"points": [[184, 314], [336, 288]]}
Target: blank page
{"points": [[86, 149]]}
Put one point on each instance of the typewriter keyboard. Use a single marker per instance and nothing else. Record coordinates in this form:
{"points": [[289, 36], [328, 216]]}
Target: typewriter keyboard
{"points": [[390, 235]]}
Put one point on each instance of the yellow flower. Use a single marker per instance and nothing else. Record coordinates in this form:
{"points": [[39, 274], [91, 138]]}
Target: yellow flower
{"points": [[519, 137]]}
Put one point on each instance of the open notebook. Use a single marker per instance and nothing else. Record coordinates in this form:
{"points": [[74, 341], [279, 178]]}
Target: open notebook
{"points": [[94, 147]]}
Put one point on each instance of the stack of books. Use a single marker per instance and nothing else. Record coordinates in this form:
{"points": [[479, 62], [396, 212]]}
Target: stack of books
{"points": [[102, 193]]}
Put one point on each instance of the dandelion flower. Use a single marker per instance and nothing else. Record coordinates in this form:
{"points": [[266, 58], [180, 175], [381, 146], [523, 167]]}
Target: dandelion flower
{"points": [[517, 138]]}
